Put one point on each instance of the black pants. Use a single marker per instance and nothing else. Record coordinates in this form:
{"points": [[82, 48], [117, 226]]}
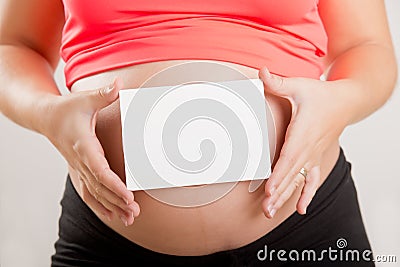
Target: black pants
{"points": [[331, 234]]}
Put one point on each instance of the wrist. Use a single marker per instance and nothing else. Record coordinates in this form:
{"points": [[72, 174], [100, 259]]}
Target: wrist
{"points": [[45, 110], [349, 95]]}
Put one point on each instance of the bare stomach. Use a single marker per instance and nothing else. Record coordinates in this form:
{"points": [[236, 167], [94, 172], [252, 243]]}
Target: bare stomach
{"points": [[231, 221]]}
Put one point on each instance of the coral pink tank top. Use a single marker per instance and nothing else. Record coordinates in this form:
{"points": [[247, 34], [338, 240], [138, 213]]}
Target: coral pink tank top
{"points": [[286, 36]]}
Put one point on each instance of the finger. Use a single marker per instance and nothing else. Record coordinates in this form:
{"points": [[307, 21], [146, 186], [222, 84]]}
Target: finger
{"points": [[102, 191], [292, 157], [125, 216], [273, 203], [276, 85], [285, 176], [90, 182], [309, 189], [288, 192], [91, 201], [92, 155], [102, 97]]}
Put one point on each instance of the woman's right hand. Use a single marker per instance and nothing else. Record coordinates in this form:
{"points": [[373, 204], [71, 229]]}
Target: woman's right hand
{"points": [[70, 127]]}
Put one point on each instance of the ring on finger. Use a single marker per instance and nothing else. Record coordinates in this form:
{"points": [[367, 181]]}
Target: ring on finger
{"points": [[303, 171]]}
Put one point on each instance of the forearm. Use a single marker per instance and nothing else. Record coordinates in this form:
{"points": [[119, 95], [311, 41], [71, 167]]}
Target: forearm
{"points": [[27, 86], [368, 74]]}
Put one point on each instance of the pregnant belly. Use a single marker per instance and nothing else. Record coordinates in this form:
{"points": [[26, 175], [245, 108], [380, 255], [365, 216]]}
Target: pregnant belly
{"points": [[234, 219]]}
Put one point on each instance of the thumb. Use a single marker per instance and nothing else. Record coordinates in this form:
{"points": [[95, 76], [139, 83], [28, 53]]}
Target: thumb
{"points": [[274, 84], [102, 97]]}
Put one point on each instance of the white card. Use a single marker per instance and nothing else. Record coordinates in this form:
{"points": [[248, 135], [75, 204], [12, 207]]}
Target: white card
{"points": [[195, 133]]}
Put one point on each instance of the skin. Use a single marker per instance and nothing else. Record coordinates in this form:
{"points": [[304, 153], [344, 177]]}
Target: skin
{"points": [[356, 86]]}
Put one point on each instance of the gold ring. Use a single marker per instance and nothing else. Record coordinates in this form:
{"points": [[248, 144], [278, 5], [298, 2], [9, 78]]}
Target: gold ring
{"points": [[303, 172]]}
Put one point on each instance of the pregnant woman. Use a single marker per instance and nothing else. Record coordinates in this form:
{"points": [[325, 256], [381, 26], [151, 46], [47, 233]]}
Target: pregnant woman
{"points": [[308, 203]]}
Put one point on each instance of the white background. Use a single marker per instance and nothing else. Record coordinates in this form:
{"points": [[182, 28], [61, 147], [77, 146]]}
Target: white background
{"points": [[32, 176]]}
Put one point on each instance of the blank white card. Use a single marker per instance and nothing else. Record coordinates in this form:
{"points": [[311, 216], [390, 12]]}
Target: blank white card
{"points": [[195, 133]]}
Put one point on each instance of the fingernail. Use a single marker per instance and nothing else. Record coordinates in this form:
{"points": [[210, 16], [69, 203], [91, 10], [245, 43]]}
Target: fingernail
{"points": [[128, 202], [109, 88], [272, 212], [269, 208], [267, 73], [125, 221], [272, 190]]}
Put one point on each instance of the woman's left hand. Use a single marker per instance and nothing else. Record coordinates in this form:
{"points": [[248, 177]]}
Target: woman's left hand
{"points": [[318, 119]]}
